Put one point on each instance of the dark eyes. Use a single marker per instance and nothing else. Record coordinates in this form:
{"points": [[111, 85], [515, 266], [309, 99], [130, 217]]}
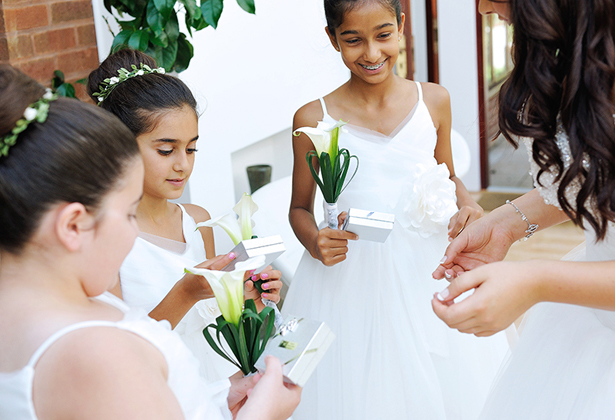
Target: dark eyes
{"points": [[168, 152], [353, 41]]}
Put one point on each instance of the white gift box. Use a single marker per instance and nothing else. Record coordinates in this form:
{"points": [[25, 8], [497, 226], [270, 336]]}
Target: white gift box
{"points": [[299, 344], [369, 225], [271, 247]]}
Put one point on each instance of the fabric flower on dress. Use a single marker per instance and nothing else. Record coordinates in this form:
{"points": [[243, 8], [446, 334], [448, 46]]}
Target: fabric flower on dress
{"points": [[428, 200]]}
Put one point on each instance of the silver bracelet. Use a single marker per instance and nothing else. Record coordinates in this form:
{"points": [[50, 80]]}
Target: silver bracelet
{"points": [[531, 227]]}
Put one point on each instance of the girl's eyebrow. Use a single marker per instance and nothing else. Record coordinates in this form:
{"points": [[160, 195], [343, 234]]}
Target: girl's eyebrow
{"points": [[172, 140], [377, 28]]}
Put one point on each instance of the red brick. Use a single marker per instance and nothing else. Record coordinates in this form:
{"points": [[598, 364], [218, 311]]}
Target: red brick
{"points": [[26, 2], [20, 46], [78, 61], [54, 40], [86, 35], [22, 18], [71, 10], [40, 69], [4, 49], [2, 26]]}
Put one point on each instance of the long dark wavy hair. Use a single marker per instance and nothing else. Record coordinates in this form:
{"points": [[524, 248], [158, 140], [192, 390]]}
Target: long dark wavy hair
{"points": [[564, 56]]}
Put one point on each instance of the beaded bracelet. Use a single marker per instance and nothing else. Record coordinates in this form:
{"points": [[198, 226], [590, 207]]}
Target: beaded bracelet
{"points": [[531, 227]]}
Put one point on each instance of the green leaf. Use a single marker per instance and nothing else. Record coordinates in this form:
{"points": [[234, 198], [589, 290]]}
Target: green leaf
{"points": [[165, 7], [308, 157], [128, 24], [162, 40], [200, 24], [67, 90], [212, 9], [218, 349], [191, 7], [247, 5], [57, 80], [83, 81], [169, 54], [155, 19], [172, 28], [155, 51], [121, 40], [107, 4], [138, 40], [185, 52]]}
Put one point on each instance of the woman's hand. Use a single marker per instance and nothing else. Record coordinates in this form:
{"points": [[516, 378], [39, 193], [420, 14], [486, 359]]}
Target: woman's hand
{"points": [[271, 398], [461, 219], [481, 242], [503, 292], [271, 284], [332, 245], [240, 387]]}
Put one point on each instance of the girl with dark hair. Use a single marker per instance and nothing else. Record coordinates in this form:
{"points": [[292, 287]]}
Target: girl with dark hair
{"points": [[392, 358], [161, 112], [70, 182], [560, 99]]}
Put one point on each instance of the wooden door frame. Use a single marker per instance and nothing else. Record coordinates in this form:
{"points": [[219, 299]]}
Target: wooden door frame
{"points": [[431, 26], [482, 117], [407, 31]]}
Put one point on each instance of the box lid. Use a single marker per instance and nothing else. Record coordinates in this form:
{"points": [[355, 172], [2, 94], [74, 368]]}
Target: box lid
{"points": [[371, 215]]}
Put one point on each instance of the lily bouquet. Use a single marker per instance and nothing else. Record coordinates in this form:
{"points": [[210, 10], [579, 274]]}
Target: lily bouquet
{"points": [[334, 165], [245, 330]]}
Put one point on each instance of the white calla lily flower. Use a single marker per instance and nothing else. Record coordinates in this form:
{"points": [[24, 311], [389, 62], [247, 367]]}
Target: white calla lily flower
{"points": [[238, 224], [228, 286], [229, 223], [245, 209], [324, 137]]}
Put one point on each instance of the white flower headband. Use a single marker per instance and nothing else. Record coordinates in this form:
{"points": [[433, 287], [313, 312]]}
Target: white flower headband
{"points": [[34, 112], [107, 85]]}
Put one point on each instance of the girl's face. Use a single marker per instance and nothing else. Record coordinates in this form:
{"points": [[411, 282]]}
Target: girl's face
{"points": [[368, 41], [168, 153], [114, 232], [501, 8]]}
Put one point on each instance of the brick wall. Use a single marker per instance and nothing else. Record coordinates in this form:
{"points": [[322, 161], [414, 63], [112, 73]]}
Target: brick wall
{"points": [[40, 36]]}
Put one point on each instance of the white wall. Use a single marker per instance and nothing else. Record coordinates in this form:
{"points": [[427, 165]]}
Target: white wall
{"points": [[459, 74]]}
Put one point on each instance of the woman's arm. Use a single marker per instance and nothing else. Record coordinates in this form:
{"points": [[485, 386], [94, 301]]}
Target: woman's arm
{"points": [[326, 245]]}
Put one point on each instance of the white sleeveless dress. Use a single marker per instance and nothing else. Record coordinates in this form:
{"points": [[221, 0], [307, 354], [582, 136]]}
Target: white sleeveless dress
{"points": [[563, 366], [392, 357], [197, 398], [150, 271]]}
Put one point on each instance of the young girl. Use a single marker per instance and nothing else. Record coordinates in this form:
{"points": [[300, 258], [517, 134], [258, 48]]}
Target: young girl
{"points": [[390, 358], [70, 182], [161, 112], [560, 99]]}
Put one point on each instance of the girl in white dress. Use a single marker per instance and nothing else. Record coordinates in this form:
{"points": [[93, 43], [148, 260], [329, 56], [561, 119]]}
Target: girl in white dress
{"points": [[70, 181], [391, 359], [161, 111], [560, 99]]}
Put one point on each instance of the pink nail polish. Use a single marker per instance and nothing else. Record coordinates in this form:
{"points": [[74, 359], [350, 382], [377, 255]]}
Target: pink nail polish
{"points": [[265, 286], [232, 256], [265, 295], [264, 276], [253, 278]]}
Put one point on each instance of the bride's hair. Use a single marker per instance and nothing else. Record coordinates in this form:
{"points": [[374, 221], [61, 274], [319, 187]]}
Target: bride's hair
{"points": [[139, 101], [335, 10], [77, 154], [564, 55]]}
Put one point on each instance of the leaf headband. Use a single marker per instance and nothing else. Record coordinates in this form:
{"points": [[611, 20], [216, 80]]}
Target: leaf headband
{"points": [[107, 85], [34, 112]]}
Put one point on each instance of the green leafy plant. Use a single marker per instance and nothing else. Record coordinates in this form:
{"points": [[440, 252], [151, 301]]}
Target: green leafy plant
{"points": [[154, 28], [63, 88]]}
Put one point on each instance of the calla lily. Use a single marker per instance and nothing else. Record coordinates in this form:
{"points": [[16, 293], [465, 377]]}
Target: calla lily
{"points": [[228, 286], [324, 137], [245, 209], [238, 224]]}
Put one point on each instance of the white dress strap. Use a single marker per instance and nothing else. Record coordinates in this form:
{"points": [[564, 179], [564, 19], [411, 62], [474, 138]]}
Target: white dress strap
{"points": [[420, 90], [324, 107], [59, 334]]}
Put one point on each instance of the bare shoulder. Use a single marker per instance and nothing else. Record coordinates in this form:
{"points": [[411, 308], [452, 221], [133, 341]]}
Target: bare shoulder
{"points": [[308, 115], [435, 95], [88, 368], [198, 213]]}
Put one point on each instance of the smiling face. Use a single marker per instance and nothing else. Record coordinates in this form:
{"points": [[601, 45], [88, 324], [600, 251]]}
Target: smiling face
{"points": [[368, 41], [501, 8], [168, 153]]}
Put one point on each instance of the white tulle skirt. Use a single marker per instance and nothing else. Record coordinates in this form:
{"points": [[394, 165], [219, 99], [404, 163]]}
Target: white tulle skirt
{"points": [[563, 366], [392, 357]]}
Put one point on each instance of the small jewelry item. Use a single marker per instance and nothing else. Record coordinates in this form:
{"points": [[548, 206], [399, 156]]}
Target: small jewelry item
{"points": [[531, 227]]}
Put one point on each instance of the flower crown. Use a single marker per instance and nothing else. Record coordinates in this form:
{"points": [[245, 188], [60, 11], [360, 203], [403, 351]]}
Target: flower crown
{"points": [[107, 85], [36, 111]]}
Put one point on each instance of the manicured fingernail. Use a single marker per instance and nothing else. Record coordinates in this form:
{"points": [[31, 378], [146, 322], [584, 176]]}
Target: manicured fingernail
{"points": [[264, 276], [443, 295], [252, 272], [448, 275], [232, 255], [443, 260], [265, 295], [450, 239], [253, 278], [265, 286]]}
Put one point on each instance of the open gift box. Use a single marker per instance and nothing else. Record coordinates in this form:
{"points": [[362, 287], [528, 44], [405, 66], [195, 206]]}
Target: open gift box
{"points": [[369, 225], [271, 247], [299, 344]]}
